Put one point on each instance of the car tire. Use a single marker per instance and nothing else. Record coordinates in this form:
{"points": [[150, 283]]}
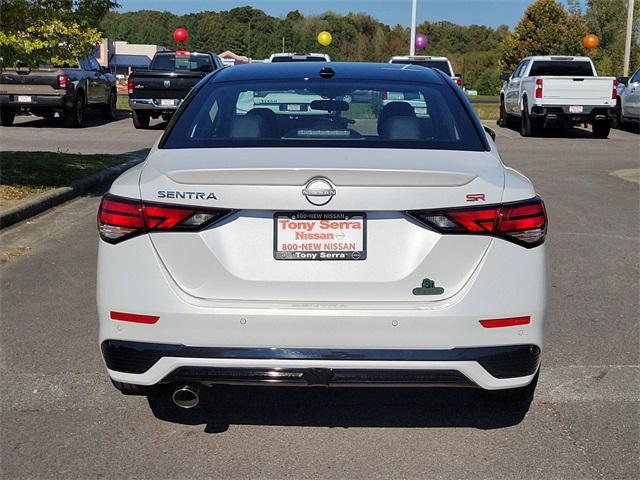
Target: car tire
{"points": [[514, 395], [7, 116], [109, 109], [601, 129], [140, 119], [74, 118], [132, 389]]}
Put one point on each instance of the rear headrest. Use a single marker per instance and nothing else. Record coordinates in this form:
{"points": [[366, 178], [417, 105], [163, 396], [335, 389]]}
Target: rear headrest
{"points": [[247, 126], [393, 109], [401, 128]]}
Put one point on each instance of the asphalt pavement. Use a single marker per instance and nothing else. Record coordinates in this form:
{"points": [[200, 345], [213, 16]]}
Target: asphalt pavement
{"points": [[61, 418]]}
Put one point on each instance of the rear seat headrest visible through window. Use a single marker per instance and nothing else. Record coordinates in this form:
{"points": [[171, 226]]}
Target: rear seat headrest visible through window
{"points": [[248, 126]]}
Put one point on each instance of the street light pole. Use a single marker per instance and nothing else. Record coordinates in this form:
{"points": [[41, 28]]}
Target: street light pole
{"points": [[412, 48], [627, 44]]}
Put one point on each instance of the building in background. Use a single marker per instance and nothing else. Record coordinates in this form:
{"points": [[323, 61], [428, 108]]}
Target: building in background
{"points": [[122, 57]]}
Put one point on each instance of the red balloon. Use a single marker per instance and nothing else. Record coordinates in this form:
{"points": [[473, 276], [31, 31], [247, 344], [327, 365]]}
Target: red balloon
{"points": [[180, 35]]}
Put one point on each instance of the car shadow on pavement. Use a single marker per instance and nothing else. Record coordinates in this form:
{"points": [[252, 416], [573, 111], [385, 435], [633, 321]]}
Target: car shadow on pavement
{"points": [[575, 132], [223, 406]]}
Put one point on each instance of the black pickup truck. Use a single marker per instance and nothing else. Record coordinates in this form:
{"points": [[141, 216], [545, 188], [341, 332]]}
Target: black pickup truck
{"points": [[158, 91]]}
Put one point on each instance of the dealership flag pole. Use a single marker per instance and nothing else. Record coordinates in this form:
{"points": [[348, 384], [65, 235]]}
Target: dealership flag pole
{"points": [[627, 44], [412, 49]]}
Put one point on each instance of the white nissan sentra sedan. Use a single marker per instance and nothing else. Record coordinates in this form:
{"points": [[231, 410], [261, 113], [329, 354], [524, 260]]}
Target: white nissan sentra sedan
{"points": [[353, 244]]}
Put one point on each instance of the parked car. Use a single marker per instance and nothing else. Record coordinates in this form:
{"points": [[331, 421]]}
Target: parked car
{"points": [[298, 57], [159, 91], [341, 248], [48, 90], [628, 106], [441, 63], [546, 91]]}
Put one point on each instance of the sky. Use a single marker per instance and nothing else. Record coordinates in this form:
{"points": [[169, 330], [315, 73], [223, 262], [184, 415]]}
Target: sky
{"points": [[464, 12]]}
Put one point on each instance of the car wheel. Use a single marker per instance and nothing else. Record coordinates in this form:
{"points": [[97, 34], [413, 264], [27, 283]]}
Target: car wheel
{"points": [[514, 395], [601, 129], [7, 116], [75, 117], [109, 110], [140, 118]]}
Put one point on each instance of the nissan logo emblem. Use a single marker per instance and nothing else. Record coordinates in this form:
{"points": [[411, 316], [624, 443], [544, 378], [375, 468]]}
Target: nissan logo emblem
{"points": [[319, 191]]}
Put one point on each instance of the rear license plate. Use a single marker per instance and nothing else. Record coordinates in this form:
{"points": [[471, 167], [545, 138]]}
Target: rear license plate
{"points": [[293, 108], [168, 102], [575, 109], [319, 236], [24, 98]]}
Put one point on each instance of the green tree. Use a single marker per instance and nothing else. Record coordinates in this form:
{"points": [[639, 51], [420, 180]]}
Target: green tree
{"points": [[608, 19], [49, 31], [545, 29]]}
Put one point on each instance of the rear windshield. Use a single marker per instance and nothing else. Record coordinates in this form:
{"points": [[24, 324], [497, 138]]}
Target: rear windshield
{"points": [[441, 65], [194, 62], [561, 68], [316, 113], [298, 58]]}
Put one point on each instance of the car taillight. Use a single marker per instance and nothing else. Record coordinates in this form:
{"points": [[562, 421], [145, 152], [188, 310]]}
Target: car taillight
{"points": [[614, 92], [123, 218], [130, 85], [459, 82], [63, 81], [524, 223], [384, 95], [539, 88]]}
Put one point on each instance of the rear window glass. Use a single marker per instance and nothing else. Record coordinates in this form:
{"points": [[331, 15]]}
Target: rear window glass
{"points": [[441, 65], [195, 62], [298, 58], [316, 113], [561, 68]]}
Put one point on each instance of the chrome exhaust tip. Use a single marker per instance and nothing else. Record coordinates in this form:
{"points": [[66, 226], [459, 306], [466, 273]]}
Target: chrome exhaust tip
{"points": [[186, 396]]}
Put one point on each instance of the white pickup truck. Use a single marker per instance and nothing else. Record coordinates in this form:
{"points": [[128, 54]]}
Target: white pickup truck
{"points": [[558, 91]]}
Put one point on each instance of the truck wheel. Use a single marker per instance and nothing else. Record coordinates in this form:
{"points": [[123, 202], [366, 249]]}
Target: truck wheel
{"points": [[514, 395], [503, 120], [601, 129], [140, 118], [528, 128], [74, 118], [7, 116], [109, 109]]}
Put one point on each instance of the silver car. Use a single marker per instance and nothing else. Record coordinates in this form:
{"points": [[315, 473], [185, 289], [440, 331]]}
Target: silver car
{"points": [[629, 100]]}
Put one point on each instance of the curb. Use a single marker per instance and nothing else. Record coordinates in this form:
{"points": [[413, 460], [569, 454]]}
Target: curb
{"points": [[50, 199]]}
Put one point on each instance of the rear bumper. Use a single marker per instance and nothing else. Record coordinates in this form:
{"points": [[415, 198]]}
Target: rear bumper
{"points": [[37, 101], [485, 367], [561, 113], [152, 104]]}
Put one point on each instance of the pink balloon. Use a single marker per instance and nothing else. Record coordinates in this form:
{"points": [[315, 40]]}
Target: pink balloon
{"points": [[421, 41]]}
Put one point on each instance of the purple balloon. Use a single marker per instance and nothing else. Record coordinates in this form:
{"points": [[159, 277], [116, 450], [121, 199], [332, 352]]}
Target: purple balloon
{"points": [[421, 41]]}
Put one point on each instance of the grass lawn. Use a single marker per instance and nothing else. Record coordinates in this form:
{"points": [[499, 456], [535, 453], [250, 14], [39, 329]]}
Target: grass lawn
{"points": [[24, 174], [123, 102], [487, 111]]}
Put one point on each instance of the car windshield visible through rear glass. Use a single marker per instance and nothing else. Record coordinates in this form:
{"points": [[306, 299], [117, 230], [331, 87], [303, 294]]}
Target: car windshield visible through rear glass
{"points": [[170, 61], [312, 113], [441, 65], [561, 68]]}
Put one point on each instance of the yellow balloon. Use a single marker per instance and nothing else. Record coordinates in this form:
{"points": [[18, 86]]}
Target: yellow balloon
{"points": [[324, 39]]}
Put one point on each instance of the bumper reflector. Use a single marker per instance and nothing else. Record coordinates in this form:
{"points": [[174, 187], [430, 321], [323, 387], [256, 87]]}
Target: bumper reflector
{"points": [[134, 317], [505, 322]]}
